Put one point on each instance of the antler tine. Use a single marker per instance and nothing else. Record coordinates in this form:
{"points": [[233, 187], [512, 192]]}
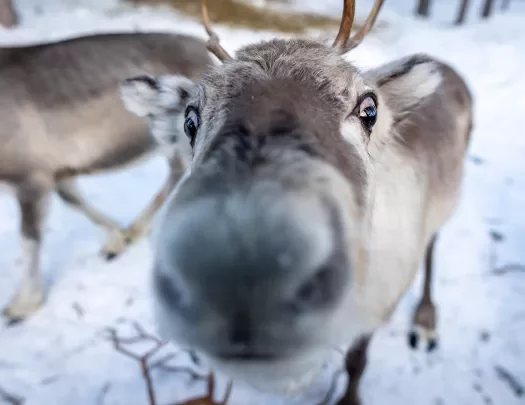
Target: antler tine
{"points": [[347, 20], [370, 21], [213, 43]]}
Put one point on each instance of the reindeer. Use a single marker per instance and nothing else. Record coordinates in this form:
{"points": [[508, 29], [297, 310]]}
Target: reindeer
{"points": [[315, 192], [61, 117]]}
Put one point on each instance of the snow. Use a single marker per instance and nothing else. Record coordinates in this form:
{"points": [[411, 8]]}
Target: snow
{"points": [[62, 356]]}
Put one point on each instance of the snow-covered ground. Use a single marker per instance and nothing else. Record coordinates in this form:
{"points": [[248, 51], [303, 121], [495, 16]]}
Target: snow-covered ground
{"points": [[61, 355]]}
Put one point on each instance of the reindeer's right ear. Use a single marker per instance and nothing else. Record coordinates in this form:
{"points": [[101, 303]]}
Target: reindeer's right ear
{"points": [[145, 95]]}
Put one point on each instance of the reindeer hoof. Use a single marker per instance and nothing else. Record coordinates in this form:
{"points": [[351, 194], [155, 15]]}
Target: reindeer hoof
{"points": [[352, 399], [419, 334], [135, 233], [109, 256], [424, 326], [413, 339], [432, 345], [115, 245], [11, 320], [29, 300]]}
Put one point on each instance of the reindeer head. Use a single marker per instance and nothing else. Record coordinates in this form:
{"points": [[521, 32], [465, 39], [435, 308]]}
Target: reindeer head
{"points": [[260, 248]]}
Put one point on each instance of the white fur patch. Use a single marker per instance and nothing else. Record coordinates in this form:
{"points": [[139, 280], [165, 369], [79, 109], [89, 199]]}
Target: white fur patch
{"points": [[162, 102], [139, 97], [421, 81], [143, 98], [352, 132]]}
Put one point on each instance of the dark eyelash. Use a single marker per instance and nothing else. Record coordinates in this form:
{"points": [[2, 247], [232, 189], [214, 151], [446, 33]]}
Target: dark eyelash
{"points": [[363, 96], [188, 109], [360, 99]]}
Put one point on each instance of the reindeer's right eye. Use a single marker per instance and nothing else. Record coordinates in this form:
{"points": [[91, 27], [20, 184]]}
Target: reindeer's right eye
{"points": [[368, 111], [191, 124]]}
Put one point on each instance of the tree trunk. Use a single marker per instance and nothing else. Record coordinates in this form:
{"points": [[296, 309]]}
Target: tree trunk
{"points": [[423, 8], [462, 12], [8, 17], [487, 8], [505, 5]]}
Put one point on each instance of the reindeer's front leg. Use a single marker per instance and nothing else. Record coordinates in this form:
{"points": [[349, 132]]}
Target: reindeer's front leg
{"points": [[67, 189], [33, 198], [424, 320], [355, 364], [142, 225]]}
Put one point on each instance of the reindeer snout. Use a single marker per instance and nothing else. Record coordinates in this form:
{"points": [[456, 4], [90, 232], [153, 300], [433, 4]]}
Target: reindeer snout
{"points": [[237, 272]]}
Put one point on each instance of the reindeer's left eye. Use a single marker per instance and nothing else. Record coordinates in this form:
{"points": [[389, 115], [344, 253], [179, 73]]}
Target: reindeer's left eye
{"points": [[191, 124], [368, 112]]}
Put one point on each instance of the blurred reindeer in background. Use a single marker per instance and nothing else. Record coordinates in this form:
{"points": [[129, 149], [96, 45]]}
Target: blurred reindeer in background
{"points": [[61, 117]]}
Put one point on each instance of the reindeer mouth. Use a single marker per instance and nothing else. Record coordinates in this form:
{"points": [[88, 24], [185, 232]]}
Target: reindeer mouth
{"points": [[248, 356], [247, 353]]}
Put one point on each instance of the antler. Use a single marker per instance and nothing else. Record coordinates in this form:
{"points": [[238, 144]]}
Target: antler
{"points": [[347, 20], [343, 40], [213, 42], [370, 21]]}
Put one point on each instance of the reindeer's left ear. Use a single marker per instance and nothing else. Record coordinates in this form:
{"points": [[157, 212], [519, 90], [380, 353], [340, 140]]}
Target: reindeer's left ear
{"points": [[146, 95]]}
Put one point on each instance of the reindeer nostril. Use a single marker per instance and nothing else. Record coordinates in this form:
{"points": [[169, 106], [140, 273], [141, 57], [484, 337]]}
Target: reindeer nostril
{"points": [[241, 330], [315, 292], [308, 290], [168, 290]]}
